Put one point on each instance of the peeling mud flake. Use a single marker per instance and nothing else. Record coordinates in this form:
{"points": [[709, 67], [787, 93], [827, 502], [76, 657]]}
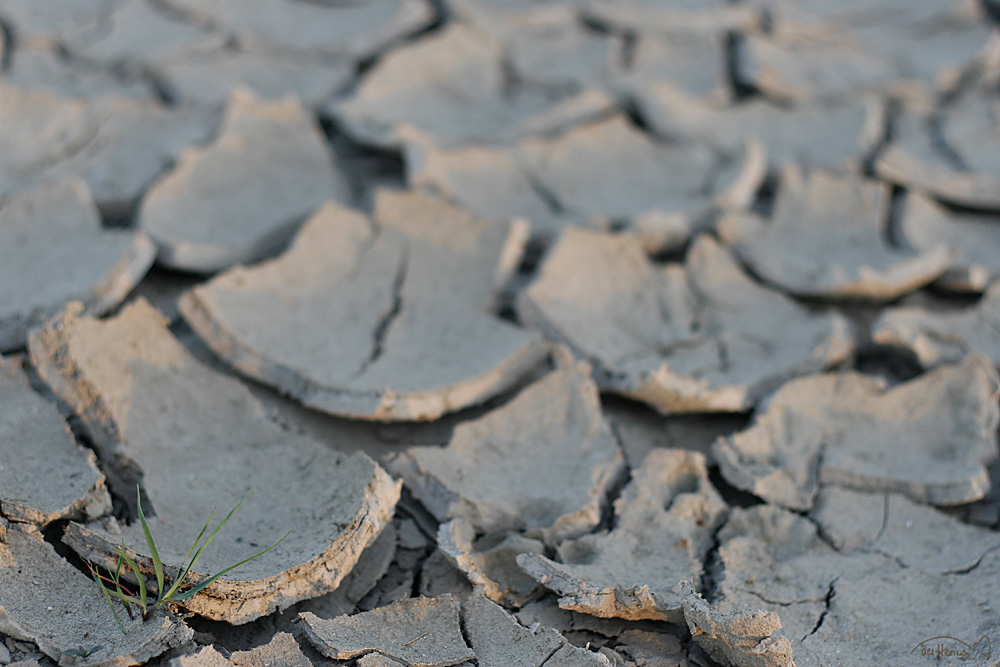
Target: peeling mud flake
{"points": [[209, 80], [42, 67], [702, 337], [137, 33], [451, 87], [826, 241], [281, 651], [843, 606], [241, 196], [916, 536], [44, 474], [493, 567], [498, 640], [44, 599], [53, 249], [777, 561], [741, 638], [420, 632], [486, 181], [115, 144], [690, 62], [975, 240], [837, 136], [967, 170], [672, 16], [543, 463], [207, 656], [197, 439], [824, 62], [407, 296], [666, 517], [930, 438], [335, 30], [40, 21], [544, 43], [944, 337], [609, 171]]}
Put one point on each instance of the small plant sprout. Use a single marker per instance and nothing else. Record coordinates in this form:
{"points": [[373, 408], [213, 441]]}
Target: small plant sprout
{"points": [[83, 651], [139, 596]]}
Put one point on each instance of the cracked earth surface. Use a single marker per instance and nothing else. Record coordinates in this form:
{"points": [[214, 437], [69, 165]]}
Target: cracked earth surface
{"points": [[632, 333]]}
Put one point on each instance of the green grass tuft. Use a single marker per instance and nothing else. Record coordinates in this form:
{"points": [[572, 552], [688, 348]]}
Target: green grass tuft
{"points": [[115, 590]]}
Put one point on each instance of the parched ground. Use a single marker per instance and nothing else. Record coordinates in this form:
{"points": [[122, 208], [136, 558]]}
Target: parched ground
{"points": [[634, 333]]}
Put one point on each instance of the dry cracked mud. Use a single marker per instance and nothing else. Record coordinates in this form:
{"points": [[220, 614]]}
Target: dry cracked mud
{"points": [[553, 333]]}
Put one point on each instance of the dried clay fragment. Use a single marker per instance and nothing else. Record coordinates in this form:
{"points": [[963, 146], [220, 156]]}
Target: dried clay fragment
{"points": [[827, 135], [740, 638], [282, 650], [53, 249], [408, 295], [610, 172], [40, 66], [702, 337], [889, 554], [666, 17], [44, 474], [954, 156], [694, 63], [944, 337], [334, 30], [197, 439], [209, 79], [500, 641], [487, 181], [44, 599], [824, 62], [241, 197], [118, 146], [666, 517], [44, 20], [544, 43], [930, 438], [543, 463], [451, 86], [825, 240], [136, 34], [973, 238], [419, 632], [490, 563]]}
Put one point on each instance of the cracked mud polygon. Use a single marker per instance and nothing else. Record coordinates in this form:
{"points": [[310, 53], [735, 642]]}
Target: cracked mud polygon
{"points": [[634, 333]]}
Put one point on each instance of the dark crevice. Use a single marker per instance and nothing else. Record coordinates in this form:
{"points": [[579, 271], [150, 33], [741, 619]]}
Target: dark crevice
{"points": [[713, 571], [384, 324], [734, 497], [891, 111], [630, 42], [608, 520], [935, 131], [734, 76], [365, 168], [8, 41], [52, 534], [897, 365], [830, 593], [545, 194], [892, 234]]}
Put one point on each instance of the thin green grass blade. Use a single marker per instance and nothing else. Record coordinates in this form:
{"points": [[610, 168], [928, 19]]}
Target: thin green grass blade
{"points": [[138, 575], [157, 564], [201, 549], [107, 596], [187, 566], [195, 590]]}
